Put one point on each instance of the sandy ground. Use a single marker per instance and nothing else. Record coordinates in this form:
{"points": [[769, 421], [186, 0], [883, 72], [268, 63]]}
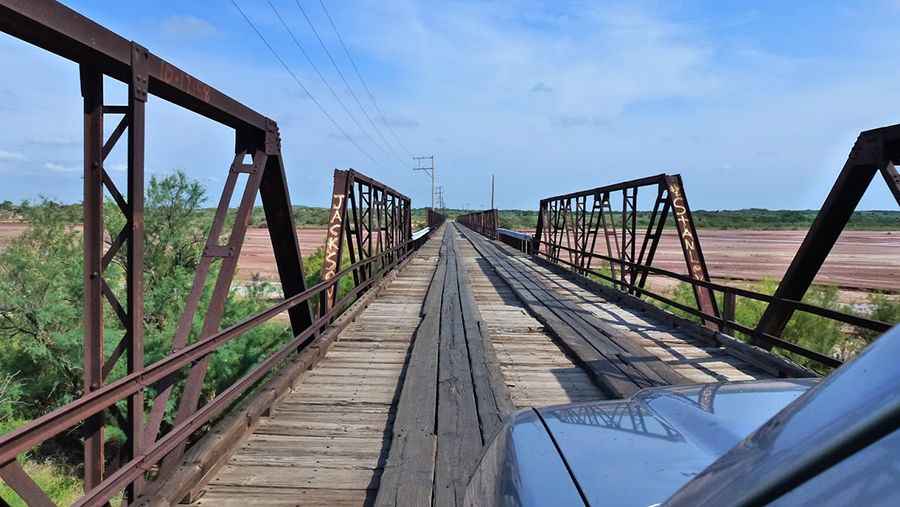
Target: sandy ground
{"points": [[8, 231], [257, 257], [860, 261]]}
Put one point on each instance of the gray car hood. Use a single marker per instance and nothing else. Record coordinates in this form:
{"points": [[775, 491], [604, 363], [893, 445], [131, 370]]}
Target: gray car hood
{"points": [[640, 451]]}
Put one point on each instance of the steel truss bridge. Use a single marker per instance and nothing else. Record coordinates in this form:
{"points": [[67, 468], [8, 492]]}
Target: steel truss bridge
{"points": [[387, 392]]}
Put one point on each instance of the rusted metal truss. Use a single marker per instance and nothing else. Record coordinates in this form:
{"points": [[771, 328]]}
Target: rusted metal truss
{"points": [[257, 160], [875, 151], [568, 227], [483, 222], [368, 218], [435, 219], [572, 226]]}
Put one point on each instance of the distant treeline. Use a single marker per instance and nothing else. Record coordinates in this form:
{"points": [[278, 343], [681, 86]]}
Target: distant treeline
{"points": [[754, 218]]}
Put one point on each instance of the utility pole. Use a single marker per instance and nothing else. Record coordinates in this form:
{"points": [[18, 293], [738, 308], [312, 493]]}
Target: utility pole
{"points": [[428, 170], [492, 191], [440, 197]]}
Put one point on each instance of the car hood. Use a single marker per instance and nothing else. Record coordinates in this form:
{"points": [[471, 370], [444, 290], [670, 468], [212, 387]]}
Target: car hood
{"points": [[640, 451]]}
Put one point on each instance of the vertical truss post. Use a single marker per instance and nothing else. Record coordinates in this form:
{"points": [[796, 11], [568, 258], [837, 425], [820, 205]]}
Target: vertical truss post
{"points": [[539, 229], [352, 232], [334, 244], [580, 232], [606, 217], [690, 245], [368, 221], [629, 231], [92, 92], [137, 99], [728, 311]]}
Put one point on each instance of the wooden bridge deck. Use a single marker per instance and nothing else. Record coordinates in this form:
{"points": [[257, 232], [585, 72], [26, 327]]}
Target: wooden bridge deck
{"points": [[399, 409], [325, 443]]}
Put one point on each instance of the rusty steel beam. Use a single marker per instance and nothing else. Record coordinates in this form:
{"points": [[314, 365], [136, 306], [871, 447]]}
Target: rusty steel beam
{"points": [[334, 242], [874, 151], [92, 92], [690, 244], [276, 200], [134, 325], [56, 28]]}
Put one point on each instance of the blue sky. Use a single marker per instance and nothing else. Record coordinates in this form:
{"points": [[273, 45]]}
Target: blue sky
{"points": [[756, 104]]}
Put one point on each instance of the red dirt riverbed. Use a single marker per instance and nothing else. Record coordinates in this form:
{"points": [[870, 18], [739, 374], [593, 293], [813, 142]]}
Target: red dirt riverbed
{"points": [[861, 260]]}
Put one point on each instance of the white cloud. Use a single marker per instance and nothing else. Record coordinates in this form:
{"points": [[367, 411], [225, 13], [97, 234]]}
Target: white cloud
{"points": [[187, 27], [551, 96], [60, 168], [12, 156]]}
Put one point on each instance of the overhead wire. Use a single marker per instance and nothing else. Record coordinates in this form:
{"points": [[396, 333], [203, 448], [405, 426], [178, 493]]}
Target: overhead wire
{"points": [[322, 77], [301, 85], [363, 81], [346, 83]]}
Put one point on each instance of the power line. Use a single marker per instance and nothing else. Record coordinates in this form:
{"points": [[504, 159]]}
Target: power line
{"points": [[363, 81], [300, 84], [322, 76], [347, 84]]}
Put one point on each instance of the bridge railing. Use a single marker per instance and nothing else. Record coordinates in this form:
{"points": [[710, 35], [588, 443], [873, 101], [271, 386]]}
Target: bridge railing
{"points": [[435, 219], [727, 323], [572, 226], [483, 222], [521, 241]]}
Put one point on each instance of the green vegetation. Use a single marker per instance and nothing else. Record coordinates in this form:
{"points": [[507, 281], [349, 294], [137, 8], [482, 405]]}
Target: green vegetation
{"points": [[816, 333], [59, 482], [753, 219], [41, 316]]}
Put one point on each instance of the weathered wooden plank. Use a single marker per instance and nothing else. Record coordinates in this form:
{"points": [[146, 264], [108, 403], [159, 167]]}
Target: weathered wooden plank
{"points": [[527, 356], [628, 362], [459, 437], [408, 474], [297, 477], [606, 373], [494, 402], [243, 496], [324, 443], [641, 366]]}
